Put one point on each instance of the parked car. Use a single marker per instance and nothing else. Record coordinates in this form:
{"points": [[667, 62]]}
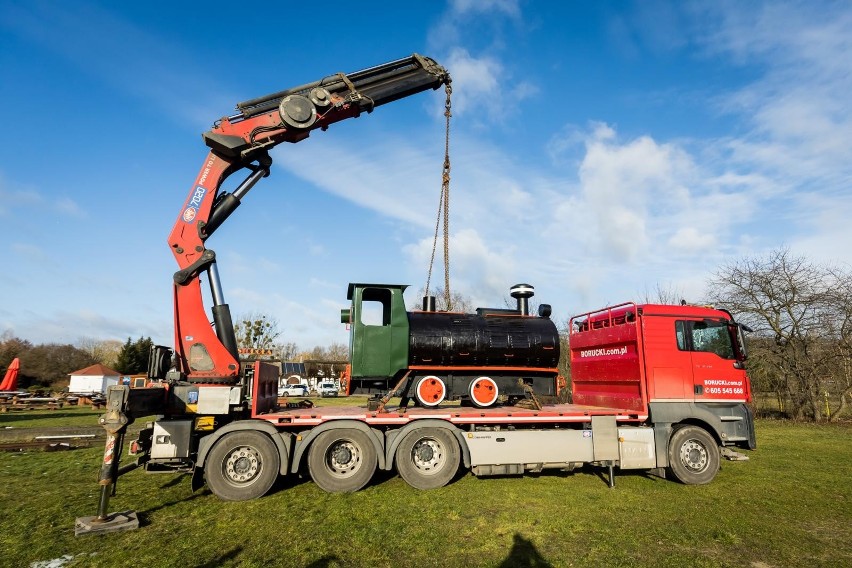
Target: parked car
{"points": [[327, 389], [293, 390]]}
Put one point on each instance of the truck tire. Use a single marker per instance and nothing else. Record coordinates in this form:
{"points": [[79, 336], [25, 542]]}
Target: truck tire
{"points": [[242, 465], [342, 461], [428, 458], [693, 455]]}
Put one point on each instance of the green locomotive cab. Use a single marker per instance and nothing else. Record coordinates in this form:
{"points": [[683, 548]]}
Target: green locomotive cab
{"points": [[378, 319]]}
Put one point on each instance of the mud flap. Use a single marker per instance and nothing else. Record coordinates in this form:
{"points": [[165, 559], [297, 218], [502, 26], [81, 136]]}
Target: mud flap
{"points": [[197, 481]]}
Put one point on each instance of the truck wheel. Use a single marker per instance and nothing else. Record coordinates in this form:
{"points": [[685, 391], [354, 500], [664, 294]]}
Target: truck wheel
{"points": [[341, 461], [241, 466], [693, 455], [428, 458]]}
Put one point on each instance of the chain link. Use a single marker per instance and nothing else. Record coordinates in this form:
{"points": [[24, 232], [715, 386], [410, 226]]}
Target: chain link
{"points": [[444, 208]]}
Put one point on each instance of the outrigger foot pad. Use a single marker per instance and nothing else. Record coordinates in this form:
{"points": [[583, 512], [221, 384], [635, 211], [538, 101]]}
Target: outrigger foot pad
{"points": [[731, 455], [114, 522]]}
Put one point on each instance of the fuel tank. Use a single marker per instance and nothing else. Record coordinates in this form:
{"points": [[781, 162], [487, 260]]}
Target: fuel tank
{"points": [[482, 340]]}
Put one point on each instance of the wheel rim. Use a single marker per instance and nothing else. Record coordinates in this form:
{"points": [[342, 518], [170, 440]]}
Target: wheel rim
{"points": [[428, 455], [243, 465], [343, 458], [483, 391], [693, 455], [431, 391]]}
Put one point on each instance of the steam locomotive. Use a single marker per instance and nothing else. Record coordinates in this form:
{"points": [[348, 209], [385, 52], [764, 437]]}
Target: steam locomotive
{"points": [[482, 358]]}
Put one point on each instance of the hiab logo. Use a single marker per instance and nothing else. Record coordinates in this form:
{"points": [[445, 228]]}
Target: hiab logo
{"points": [[192, 208]]}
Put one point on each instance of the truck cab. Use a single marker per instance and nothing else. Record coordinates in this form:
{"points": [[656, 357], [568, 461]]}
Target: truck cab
{"points": [[671, 362]]}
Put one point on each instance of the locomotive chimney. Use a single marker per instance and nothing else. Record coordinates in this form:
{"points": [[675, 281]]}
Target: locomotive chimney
{"points": [[522, 293], [429, 303]]}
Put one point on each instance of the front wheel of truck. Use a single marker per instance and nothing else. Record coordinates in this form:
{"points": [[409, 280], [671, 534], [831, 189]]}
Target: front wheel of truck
{"points": [[241, 466], [694, 456]]}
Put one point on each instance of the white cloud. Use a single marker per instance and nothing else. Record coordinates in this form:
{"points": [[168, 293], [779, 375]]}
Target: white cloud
{"points": [[12, 196], [395, 177], [798, 113], [476, 83], [15, 198], [28, 250], [68, 206], [691, 240], [476, 267], [482, 83], [506, 7], [627, 191], [67, 326]]}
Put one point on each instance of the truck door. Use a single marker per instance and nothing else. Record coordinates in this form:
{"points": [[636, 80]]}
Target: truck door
{"points": [[668, 362], [715, 376]]}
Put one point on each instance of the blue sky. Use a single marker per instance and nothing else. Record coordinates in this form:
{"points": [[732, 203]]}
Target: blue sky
{"points": [[599, 150]]}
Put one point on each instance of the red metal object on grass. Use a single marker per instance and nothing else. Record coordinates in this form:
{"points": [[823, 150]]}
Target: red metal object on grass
{"points": [[10, 380]]}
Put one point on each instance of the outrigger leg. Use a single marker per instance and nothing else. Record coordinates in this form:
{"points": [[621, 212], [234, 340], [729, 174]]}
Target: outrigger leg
{"points": [[115, 422]]}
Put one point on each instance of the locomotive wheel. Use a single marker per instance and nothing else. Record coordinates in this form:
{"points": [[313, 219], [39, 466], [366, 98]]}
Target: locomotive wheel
{"points": [[430, 391], [342, 461], [242, 466], [483, 392], [693, 456], [428, 458]]}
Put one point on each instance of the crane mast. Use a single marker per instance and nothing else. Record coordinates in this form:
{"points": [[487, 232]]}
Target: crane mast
{"points": [[205, 354]]}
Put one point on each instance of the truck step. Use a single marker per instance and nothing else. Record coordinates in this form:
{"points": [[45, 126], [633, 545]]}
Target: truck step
{"points": [[731, 455]]}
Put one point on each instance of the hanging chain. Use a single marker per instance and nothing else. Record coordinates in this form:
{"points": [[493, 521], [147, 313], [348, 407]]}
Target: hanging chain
{"points": [[444, 209], [445, 193]]}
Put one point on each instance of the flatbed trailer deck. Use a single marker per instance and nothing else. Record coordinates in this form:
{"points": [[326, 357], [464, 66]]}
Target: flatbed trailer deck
{"points": [[454, 414]]}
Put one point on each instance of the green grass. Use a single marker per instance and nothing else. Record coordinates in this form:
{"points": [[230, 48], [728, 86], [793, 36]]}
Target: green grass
{"points": [[69, 416], [789, 506]]}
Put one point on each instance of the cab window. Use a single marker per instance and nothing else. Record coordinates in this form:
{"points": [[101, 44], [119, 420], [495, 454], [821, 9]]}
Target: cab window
{"points": [[376, 307], [707, 336]]}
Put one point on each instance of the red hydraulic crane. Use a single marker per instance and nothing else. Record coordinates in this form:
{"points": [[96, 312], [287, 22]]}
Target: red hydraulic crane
{"points": [[242, 141]]}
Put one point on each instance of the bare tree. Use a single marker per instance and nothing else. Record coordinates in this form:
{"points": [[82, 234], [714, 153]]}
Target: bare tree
{"points": [[104, 351], [255, 330], [458, 301], [801, 313], [667, 294], [288, 351], [333, 352]]}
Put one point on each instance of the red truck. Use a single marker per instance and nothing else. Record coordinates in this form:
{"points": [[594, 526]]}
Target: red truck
{"points": [[660, 388], [655, 387], [680, 369]]}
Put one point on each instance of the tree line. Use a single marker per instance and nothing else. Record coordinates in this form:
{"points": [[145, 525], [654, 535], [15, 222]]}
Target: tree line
{"points": [[47, 366], [800, 312], [801, 315]]}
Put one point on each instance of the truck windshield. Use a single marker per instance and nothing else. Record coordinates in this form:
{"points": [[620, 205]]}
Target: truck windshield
{"points": [[708, 336]]}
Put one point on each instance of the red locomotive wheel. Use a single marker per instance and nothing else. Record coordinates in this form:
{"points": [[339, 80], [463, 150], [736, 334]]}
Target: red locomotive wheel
{"points": [[483, 392], [431, 391]]}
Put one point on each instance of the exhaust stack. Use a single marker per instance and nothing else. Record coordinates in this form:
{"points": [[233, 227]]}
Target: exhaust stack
{"points": [[522, 293]]}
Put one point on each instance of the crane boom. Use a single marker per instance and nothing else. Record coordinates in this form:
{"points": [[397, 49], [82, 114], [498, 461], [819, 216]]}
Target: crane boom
{"points": [[242, 141]]}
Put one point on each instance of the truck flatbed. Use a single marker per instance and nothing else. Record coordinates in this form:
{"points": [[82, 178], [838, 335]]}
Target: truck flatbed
{"points": [[548, 414]]}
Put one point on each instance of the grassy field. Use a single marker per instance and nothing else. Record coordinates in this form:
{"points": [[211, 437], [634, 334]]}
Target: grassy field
{"points": [[791, 505]]}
